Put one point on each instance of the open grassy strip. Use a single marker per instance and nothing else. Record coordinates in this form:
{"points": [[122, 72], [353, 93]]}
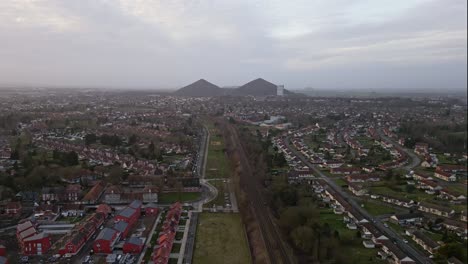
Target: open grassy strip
{"points": [[457, 187], [353, 247], [340, 181], [375, 208], [217, 164], [180, 197], [221, 186], [220, 239]]}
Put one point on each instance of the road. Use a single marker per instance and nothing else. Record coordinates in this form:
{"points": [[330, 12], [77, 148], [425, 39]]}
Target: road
{"points": [[272, 238], [209, 192], [410, 251], [415, 161], [190, 242]]}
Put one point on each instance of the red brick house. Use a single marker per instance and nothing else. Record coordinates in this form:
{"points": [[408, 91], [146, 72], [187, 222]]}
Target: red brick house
{"points": [[74, 244], [104, 208], [36, 245], [105, 241], [73, 192], [133, 245], [128, 215], [13, 208], [151, 209], [123, 228]]}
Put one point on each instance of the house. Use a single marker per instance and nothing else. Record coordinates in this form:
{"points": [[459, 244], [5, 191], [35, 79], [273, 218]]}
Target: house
{"points": [[151, 209], [113, 194], [104, 208], [421, 148], [346, 171], [105, 241], [299, 176], [166, 239], [13, 209], [405, 219], [436, 209], [95, 193], [73, 243], [38, 244], [128, 215], [123, 228], [333, 164], [446, 176], [400, 201], [460, 228], [421, 176], [150, 194], [136, 204], [72, 210], [425, 242], [73, 192], [133, 245], [362, 178], [452, 168], [463, 216], [52, 193], [357, 189], [46, 212], [451, 195], [393, 254]]}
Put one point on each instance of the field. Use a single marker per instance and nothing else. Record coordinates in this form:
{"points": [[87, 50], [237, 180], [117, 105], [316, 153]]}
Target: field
{"points": [[375, 208], [220, 239], [221, 187], [176, 197], [217, 164], [354, 249]]}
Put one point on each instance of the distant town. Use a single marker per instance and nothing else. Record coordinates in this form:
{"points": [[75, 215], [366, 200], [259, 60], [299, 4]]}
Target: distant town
{"points": [[252, 174]]}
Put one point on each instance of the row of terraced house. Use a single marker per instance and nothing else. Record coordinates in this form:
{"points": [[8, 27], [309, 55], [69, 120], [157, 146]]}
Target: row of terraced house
{"points": [[166, 239]]}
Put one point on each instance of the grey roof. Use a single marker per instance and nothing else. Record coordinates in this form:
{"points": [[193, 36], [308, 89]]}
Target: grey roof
{"points": [[136, 204], [106, 234], [408, 216], [3, 260], [127, 212], [23, 226], [427, 240], [121, 226], [135, 241], [36, 237], [151, 205], [27, 233]]}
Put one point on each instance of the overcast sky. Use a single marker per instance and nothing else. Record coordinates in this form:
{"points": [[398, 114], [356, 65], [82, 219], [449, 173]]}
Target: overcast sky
{"points": [[324, 44]]}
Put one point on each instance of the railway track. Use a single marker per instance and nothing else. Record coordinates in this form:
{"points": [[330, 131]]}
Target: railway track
{"points": [[271, 236]]}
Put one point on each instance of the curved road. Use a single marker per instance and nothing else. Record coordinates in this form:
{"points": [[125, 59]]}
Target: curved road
{"points": [[415, 161], [413, 253]]}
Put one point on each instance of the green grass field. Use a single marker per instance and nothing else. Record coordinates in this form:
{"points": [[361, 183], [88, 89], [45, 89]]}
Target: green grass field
{"points": [[217, 164], [220, 186], [182, 197], [220, 239], [376, 208]]}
